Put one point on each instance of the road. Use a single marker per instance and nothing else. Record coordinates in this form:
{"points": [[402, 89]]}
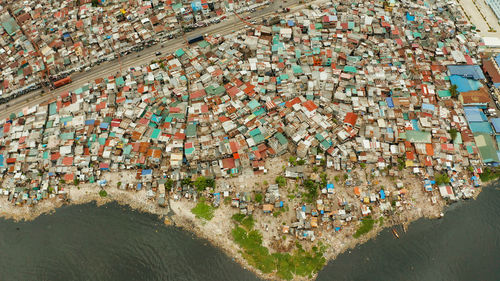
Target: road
{"points": [[230, 25]]}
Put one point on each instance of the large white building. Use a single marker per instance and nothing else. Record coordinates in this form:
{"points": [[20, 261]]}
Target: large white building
{"points": [[495, 6]]}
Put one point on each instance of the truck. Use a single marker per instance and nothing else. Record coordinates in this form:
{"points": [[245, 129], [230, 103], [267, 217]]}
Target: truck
{"points": [[195, 39], [62, 82]]}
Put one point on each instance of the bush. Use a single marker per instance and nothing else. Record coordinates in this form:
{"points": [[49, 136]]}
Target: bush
{"points": [[259, 197], [301, 162], [103, 193], [442, 179], [292, 160], [281, 181]]}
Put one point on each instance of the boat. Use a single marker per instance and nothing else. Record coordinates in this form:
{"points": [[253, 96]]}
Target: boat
{"points": [[395, 233]]}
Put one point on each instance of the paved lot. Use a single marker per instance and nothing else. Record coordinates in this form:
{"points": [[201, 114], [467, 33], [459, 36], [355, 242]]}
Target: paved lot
{"points": [[478, 20]]}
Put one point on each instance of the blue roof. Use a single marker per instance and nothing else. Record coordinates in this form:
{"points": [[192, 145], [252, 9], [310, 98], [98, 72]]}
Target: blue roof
{"points": [[464, 84], [291, 23], [496, 124], [497, 60], [474, 114], [329, 186], [89, 122], [146, 172], [428, 106], [467, 71], [480, 127], [104, 125], [389, 101]]}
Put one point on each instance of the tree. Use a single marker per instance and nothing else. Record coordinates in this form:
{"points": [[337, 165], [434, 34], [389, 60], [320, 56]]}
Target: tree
{"points": [[95, 3], [362, 165], [258, 197], [200, 183], [442, 179], [301, 162], [169, 184], [336, 178], [453, 133], [292, 160], [281, 181], [187, 181], [453, 91], [311, 188]]}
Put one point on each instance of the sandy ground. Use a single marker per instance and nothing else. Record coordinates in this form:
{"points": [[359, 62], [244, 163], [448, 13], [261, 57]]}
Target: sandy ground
{"points": [[218, 230]]}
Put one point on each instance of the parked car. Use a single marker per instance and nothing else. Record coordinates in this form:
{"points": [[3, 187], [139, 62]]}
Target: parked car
{"points": [[158, 53]]}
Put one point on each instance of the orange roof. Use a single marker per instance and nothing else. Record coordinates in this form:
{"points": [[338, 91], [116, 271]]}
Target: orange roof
{"points": [[310, 105], [357, 191]]}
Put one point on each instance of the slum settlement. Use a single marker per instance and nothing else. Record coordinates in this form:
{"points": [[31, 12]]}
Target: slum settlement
{"points": [[366, 110]]}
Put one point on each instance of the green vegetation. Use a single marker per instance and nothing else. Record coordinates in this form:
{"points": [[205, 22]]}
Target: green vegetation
{"points": [[258, 197], [186, 181], [203, 210], [95, 3], [336, 178], [286, 265], [453, 91], [324, 180], [346, 176], [227, 200], [489, 174], [76, 182], [103, 193], [292, 160], [301, 162], [201, 183], [312, 190], [281, 181], [366, 225], [442, 179], [362, 165], [381, 221], [169, 184], [453, 133]]}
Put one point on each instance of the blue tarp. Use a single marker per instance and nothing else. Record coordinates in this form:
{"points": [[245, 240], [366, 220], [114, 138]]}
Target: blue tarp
{"points": [[409, 17], [329, 186], [104, 125], [467, 71], [382, 194], [464, 84], [291, 23], [89, 122], [147, 172], [1, 160]]}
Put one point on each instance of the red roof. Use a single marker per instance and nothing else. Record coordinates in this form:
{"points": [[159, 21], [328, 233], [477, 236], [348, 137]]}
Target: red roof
{"points": [[228, 163], [351, 119], [310, 105], [67, 161]]}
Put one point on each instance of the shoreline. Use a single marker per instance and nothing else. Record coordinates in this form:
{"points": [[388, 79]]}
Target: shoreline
{"points": [[178, 214]]}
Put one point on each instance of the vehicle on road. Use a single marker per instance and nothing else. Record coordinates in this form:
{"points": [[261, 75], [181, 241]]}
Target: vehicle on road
{"points": [[158, 54], [62, 82], [286, 10], [248, 17], [195, 39]]}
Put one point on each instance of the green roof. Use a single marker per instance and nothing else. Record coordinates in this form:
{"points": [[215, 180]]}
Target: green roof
{"points": [[418, 136], [486, 147], [281, 138], [350, 69], [444, 94], [253, 104], [155, 134], [179, 52], [254, 132], [191, 130]]}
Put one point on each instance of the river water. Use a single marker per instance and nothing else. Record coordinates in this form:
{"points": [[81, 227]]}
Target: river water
{"points": [[112, 242]]}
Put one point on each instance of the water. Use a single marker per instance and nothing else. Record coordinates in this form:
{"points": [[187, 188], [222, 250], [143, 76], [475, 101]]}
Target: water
{"points": [[464, 245], [83, 242], [112, 242]]}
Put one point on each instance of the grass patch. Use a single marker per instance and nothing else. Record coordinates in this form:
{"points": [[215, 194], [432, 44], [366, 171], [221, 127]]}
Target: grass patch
{"points": [[285, 265], [366, 225], [203, 210]]}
